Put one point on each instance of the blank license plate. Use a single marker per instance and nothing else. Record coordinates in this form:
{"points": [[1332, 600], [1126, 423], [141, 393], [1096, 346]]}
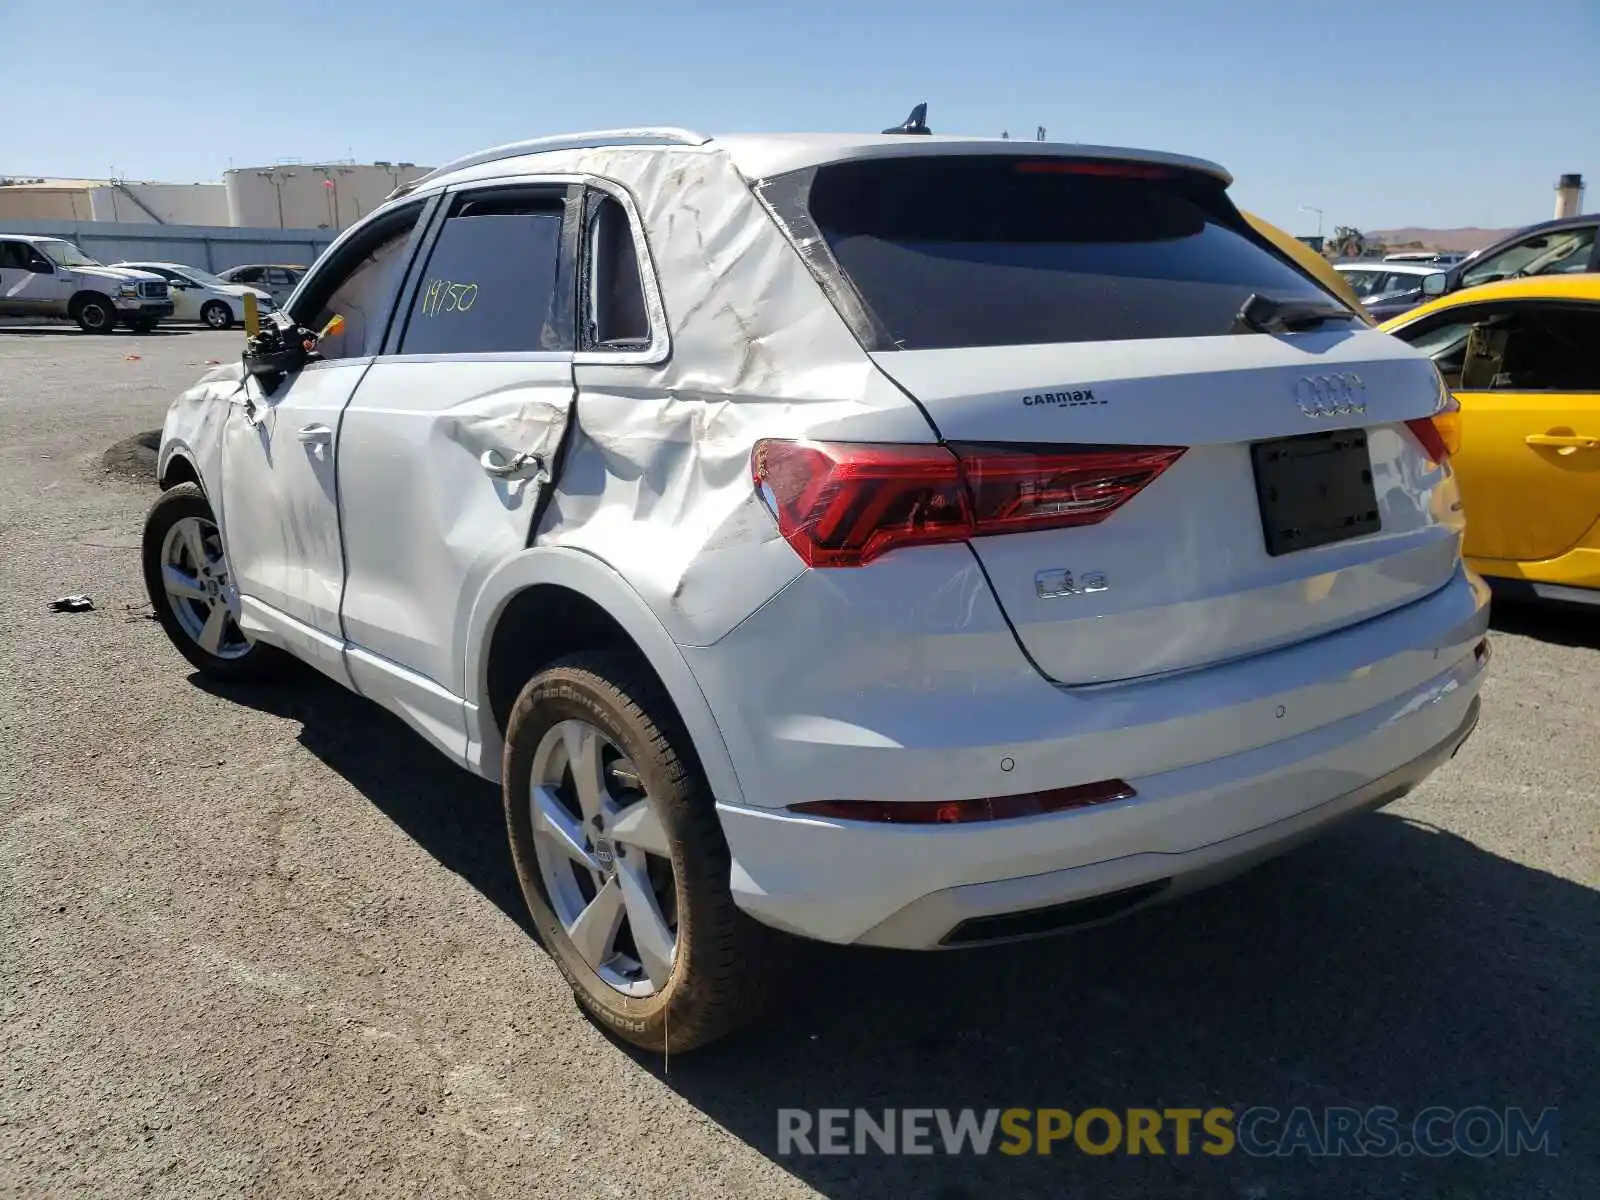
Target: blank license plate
{"points": [[1314, 489]]}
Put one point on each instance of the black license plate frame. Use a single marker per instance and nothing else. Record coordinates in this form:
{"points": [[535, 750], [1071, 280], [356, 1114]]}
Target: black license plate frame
{"points": [[1314, 489]]}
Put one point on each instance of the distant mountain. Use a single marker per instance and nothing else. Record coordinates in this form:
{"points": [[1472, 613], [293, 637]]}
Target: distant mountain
{"points": [[1463, 240]]}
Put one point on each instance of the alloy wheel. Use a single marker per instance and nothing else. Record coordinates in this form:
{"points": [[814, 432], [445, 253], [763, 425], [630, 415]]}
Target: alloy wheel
{"points": [[194, 574], [603, 858]]}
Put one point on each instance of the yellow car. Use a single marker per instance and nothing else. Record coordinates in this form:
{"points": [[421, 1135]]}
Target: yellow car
{"points": [[1523, 358]]}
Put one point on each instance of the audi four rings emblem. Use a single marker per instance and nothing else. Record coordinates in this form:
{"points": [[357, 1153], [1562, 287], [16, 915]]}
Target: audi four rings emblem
{"points": [[1330, 395]]}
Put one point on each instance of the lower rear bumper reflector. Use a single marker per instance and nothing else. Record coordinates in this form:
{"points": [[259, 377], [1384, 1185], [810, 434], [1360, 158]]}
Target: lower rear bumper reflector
{"points": [[956, 812]]}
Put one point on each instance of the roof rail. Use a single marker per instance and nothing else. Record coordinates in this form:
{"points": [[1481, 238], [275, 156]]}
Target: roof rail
{"points": [[665, 136]]}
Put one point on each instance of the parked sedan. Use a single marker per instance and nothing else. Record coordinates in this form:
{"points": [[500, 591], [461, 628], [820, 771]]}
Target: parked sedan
{"points": [[1523, 358], [201, 296], [279, 281], [1387, 289]]}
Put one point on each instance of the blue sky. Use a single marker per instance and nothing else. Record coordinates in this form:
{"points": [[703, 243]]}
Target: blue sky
{"points": [[1411, 112]]}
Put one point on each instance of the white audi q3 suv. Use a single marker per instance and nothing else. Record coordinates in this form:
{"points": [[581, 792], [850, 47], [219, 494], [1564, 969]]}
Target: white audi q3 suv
{"points": [[899, 540]]}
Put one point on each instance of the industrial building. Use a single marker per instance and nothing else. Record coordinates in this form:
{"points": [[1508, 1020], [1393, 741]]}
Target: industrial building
{"points": [[125, 201], [311, 195], [329, 196]]}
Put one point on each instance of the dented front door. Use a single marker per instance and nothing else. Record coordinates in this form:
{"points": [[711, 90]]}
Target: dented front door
{"points": [[442, 466], [279, 508]]}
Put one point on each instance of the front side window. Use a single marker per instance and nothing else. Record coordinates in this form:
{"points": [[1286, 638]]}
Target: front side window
{"points": [[991, 250], [1398, 283], [490, 284], [1513, 348], [1362, 283], [1542, 254], [360, 288]]}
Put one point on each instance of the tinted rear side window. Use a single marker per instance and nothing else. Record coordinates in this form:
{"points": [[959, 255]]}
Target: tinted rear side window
{"points": [[992, 251]]}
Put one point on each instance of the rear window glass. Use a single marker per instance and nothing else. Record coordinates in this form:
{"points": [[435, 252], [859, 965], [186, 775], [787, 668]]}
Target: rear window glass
{"points": [[993, 251]]}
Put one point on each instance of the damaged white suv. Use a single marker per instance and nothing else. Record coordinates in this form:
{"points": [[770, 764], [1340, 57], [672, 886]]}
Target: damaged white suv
{"points": [[906, 541]]}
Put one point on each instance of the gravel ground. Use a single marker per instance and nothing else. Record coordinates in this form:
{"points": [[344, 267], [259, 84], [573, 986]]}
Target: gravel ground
{"points": [[268, 943]]}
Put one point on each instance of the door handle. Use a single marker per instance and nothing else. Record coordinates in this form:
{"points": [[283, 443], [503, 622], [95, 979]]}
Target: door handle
{"points": [[520, 465], [1574, 441], [316, 435]]}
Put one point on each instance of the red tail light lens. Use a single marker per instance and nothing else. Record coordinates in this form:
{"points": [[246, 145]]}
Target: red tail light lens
{"points": [[842, 504], [1078, 486], [959, 812], [1440, 434]]}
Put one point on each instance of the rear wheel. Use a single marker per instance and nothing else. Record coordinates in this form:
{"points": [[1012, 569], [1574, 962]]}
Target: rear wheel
{"points": [[146, 324], [188, 579], [622, 860], [94, 313], [216, 315]]}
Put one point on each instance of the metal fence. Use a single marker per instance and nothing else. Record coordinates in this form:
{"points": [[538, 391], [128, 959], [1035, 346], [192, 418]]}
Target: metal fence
{"points": [[211, 247]]}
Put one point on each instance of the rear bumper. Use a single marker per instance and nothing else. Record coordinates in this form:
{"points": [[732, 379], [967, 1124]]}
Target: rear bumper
{"points": [[1361, 717], [1040, 904]]}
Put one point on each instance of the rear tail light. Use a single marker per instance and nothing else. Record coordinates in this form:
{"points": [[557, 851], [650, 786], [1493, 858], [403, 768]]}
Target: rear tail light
{"points": [[960, 812], [842, 504], [1440, 434]]}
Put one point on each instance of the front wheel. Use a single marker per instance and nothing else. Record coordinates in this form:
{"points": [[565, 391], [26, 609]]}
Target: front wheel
{"points": [[94, 313], [191, 588], [216, 315], [622, 860], [146, 324]]}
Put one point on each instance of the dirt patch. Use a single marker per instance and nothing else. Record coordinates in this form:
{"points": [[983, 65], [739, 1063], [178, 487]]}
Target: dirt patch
{"points": [[134, 457]]}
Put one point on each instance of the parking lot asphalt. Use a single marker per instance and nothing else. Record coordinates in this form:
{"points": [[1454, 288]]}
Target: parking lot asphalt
{"points": [[266, 942]]}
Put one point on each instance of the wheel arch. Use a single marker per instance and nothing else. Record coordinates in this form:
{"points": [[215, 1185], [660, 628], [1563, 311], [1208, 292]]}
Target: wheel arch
{"points": [[178, 466], [549, 602], [89, 293]]}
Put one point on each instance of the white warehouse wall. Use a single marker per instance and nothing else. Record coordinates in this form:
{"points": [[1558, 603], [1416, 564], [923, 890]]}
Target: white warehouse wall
{"points": [[308, 202], [173, 203]]}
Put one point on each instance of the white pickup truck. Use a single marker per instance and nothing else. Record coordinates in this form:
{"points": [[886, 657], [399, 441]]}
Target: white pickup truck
{"points": [[51, 277]]}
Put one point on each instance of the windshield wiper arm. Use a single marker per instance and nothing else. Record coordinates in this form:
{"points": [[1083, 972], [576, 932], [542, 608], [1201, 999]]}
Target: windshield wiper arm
{"points": [[1263, 314]]}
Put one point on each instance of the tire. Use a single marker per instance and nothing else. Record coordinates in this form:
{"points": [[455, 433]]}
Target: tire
{"points": [[146, 325], [94, 313], [725, 967], [214, 314], [177, 514]]}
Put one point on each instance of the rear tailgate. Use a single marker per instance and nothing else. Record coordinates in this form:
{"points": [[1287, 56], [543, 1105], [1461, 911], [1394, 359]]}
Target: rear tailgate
{"points": [[1181, 574], [1053, 315]]}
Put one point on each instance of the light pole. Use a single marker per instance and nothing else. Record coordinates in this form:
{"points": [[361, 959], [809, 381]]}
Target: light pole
{"points": [[330, 193], [337, 215], [277, 179], [1318, 211]]}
